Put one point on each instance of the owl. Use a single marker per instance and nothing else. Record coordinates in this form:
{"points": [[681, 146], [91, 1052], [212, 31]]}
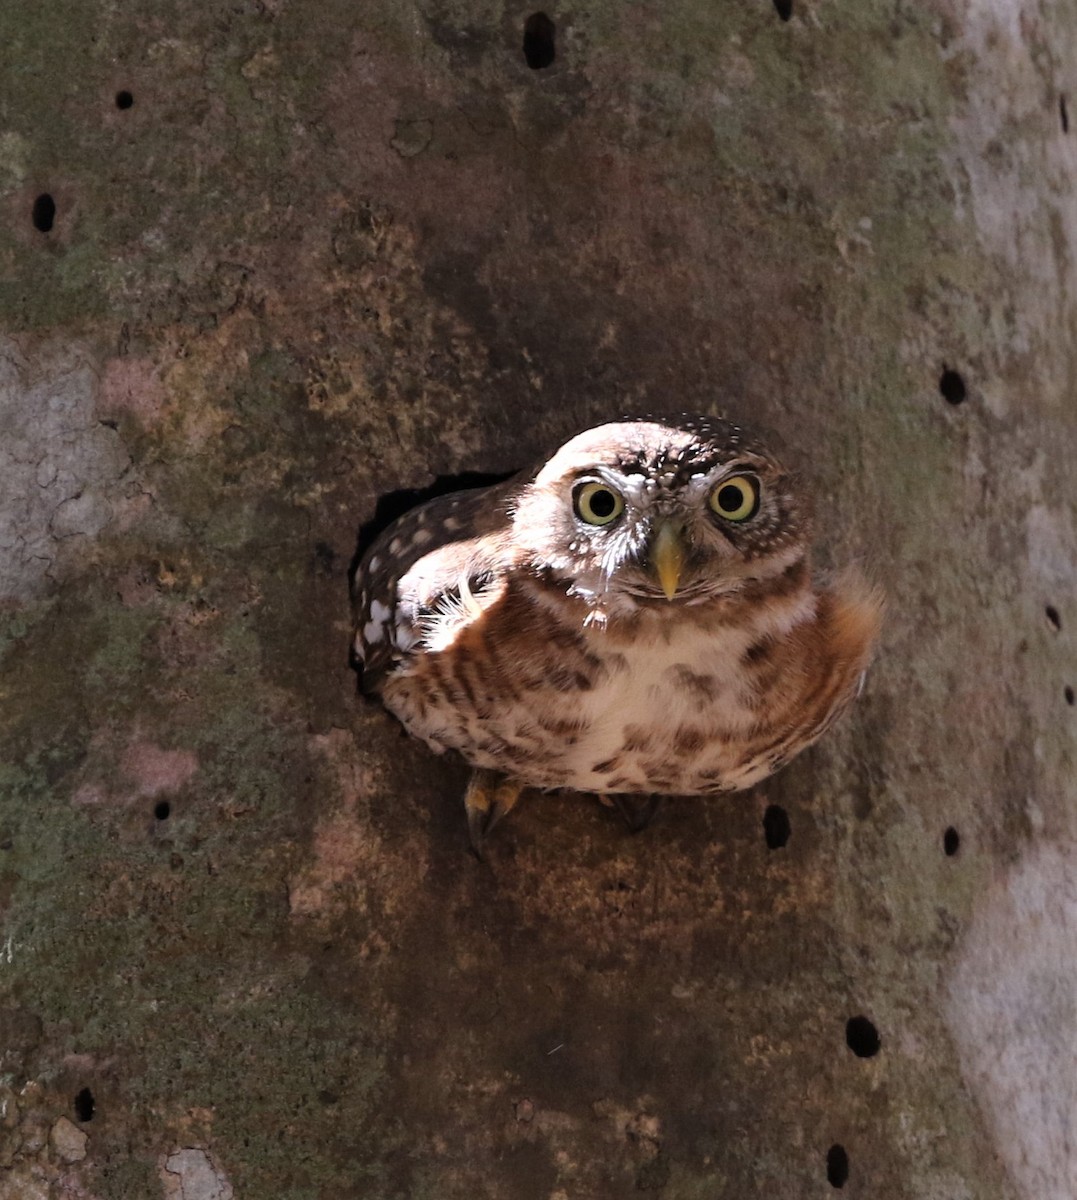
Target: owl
{"points": [[634, 617]]}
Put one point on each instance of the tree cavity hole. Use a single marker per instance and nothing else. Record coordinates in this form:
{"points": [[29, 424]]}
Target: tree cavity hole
{"points": [[84, 1105], [862, 1037], [776, 827], [540, 48], [43, 213], [952, 387], [837, 1166]]}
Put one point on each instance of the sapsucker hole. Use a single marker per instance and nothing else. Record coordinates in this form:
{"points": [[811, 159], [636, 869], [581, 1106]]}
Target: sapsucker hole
{"points": [[837, 1166], [124, 99], [784, 8], [162, 810], [539, 45], [1068, 693], [84, 1105], [1063, 114], [43, 213], [1053, 619], [776, 828], [951, 842], [862, 1037], [952, 387]]}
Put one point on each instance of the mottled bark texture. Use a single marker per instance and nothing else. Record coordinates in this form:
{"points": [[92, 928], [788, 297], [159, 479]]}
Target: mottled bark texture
{"points": [[265, 261]]}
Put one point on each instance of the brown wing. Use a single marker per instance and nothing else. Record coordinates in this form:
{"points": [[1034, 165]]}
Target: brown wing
{"points": [[418, 566]]}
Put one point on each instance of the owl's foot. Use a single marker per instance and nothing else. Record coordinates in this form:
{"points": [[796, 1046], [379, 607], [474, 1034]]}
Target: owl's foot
{"points": [[488, 798], [638, 811]]}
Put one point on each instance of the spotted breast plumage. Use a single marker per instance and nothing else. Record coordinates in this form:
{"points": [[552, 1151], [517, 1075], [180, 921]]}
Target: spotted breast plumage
{"points": [[634, 616]]}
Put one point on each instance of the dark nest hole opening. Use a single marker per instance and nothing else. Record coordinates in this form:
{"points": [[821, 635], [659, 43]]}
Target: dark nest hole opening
{"points": [[43, 214], [862, 1037], [952, 387], [84, 1105], [540, 48], [776, 827], [393, 505], [837, 1166]]}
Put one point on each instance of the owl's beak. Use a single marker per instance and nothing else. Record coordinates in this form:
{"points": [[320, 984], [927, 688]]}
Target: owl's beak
{"points": [[667, 557]]}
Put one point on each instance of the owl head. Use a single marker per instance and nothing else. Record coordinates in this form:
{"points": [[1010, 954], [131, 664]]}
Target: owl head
{"points": [[661, 511]]}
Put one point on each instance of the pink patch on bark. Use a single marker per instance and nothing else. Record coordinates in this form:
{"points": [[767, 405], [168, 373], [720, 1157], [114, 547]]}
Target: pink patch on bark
{"points": [[131, 384], [89, 794], [154, 770]]}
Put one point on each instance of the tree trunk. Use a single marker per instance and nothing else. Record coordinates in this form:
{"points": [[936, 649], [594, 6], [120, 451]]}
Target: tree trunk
{"points": [[266, 262]]}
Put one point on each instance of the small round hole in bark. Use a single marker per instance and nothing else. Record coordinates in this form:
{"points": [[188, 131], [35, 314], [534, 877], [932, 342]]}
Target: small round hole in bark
{"points": [[837, 1166], [1068, 693], [84, 1105], [540, 48], [784, 8], [776, 828], [951, 842], [1063, 114], [162, 810], [43, 213], [124, 99], [1053, 619], [862, 1037], [952, 387]]}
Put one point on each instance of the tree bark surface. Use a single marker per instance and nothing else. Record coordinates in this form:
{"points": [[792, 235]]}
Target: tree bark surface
{"points": [[263, 263]]}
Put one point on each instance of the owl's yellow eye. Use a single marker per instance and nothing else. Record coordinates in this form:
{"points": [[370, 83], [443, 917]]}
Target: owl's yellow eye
{"points": [[597, 503], [736, 499]]}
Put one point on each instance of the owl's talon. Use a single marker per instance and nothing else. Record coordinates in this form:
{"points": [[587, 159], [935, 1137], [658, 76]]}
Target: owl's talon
{"points": [[638, 811], [476, 832], [489, 797]]}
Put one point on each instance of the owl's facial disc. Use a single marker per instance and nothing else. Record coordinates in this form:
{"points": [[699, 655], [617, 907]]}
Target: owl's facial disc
{"points": [[655, 536], [655, 513]]}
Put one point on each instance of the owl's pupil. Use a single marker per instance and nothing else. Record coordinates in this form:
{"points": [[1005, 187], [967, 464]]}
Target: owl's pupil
{"points": [[730, 498], [603, 503]]}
